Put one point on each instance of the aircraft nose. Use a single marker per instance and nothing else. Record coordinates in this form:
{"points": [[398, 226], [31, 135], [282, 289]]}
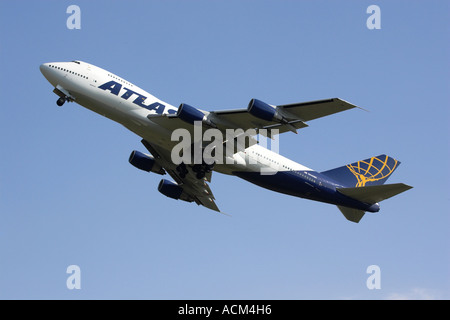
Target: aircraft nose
{"points": [[44, 69], [49, 73]]}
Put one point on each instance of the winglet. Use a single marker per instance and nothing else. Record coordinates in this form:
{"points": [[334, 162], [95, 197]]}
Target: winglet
{"points": [[225, 214]]}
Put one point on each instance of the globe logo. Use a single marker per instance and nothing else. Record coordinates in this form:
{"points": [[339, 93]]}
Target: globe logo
{"points": [[373, 169]]}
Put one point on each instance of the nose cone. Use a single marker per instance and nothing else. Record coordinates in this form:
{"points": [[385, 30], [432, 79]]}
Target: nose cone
{"points": [[49, 73], [44, 69]]}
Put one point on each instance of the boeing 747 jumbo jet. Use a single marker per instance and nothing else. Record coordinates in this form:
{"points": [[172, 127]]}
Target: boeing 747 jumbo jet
{"points": [[173, 136]]}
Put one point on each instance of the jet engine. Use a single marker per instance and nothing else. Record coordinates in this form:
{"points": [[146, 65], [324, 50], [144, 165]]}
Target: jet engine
{"points": [[267, 112], [263, 110], [170, 189], [145, 162], [189, 114]]}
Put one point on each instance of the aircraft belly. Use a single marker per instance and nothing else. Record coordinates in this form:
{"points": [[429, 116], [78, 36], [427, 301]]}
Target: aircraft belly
{"points": [[224, 169], [103, 108], [283, 181], [294, 184], [129, 116]]}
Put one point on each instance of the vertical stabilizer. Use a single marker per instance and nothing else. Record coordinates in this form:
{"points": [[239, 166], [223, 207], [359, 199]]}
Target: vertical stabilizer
{"points": [[369, 172]]}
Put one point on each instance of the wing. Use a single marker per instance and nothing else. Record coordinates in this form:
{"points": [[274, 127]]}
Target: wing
{"points": [[194, 189], [288, 117]]}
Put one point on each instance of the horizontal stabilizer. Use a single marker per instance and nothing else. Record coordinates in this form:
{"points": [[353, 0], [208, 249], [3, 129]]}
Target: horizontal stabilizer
{"points": [[353, 215], [374, 194]]}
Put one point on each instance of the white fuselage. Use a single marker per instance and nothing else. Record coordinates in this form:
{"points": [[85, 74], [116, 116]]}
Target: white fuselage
{"points": [[130, 106]]}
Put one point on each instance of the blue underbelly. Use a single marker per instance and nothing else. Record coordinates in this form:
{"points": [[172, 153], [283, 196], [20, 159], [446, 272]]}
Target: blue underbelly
{"points": [[288, 182], [304, 184]]}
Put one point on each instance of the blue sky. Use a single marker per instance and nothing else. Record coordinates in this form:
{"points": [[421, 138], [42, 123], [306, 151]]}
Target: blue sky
{"points": [[68, 195]]}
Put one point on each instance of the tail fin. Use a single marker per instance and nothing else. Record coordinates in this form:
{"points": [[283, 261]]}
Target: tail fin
{"points": [[370, 172]]}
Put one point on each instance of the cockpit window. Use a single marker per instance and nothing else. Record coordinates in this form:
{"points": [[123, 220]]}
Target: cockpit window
{"points": [[78, 62]]}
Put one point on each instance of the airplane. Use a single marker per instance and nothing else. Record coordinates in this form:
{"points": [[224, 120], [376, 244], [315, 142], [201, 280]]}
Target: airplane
{"points": [[355, 188]]}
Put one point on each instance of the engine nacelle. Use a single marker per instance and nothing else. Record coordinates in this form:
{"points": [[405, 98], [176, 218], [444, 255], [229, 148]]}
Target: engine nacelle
{"points": [[189, 114], [145, 162], [263, 111], [170, 189]]}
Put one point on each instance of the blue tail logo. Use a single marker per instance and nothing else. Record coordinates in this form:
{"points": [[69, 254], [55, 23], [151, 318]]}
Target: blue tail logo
{"points": [[369, 172], [373, 169]]}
